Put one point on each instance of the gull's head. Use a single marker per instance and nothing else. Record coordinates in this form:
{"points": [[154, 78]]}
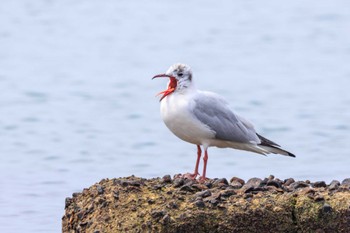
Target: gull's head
{"points": [[180, 76]]}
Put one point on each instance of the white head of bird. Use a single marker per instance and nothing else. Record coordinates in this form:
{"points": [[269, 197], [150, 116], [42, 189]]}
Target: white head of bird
{"points": [[180, 76]]}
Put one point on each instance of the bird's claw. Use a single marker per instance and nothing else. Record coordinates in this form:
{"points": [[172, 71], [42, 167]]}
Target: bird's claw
{"points": [[191, 176]]}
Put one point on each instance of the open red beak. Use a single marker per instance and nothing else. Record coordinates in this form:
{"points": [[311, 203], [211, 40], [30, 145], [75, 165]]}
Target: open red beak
{"points": [[171, 86]]}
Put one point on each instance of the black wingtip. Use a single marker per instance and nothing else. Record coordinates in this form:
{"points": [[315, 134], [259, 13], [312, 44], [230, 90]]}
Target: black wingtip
{"points": [[267, 142], [288, 153]]}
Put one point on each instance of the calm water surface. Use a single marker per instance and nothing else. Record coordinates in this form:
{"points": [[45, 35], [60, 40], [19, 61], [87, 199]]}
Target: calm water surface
{"points": [[77, 101]]}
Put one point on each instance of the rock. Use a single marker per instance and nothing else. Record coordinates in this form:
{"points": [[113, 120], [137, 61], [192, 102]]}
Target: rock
{"points": [[172, 205], [220, 182], [273, 189], [166, 179], [254, 182], [150, 201], [158, 214], [75, 194], [198, 186], [236, 182], [178, 182], [116, 195], [236, 185], [203, 194], [326, 208], [227, 193], [334, 185], [186, 188], [288, 181], [126, 183], [264, 182], [276, 183], [279, 181], [158, 186], [346, 182], [299, 184], [199, 203], [319, 198], [208, 184], [236, 179], [319, 184], [190, 182], [214, 199], [68, 202], [99, 189], [166, 219], [130, 204]]}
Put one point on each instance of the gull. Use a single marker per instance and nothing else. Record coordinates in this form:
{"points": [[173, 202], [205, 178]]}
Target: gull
{"points": [[205, 119]]}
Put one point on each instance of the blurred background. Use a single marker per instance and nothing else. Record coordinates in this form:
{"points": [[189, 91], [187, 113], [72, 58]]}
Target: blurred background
{"points": [[78, 103]]}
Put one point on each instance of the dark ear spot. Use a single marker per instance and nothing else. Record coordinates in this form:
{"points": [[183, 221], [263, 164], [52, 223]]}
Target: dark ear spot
{"points": [[190, 77]]}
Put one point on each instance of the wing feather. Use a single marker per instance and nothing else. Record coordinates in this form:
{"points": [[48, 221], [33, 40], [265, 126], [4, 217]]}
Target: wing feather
{"points": [[213, 111]]}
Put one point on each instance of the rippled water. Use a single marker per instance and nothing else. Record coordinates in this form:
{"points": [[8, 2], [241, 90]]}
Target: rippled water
{"points": [[77, 100]]}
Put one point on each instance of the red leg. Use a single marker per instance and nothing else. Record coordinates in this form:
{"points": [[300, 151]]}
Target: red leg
{"points": [[205, 159], [195, 174], [199, 154]]}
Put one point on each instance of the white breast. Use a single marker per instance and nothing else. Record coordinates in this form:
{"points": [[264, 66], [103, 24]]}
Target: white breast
{"points": [[175, 111]]}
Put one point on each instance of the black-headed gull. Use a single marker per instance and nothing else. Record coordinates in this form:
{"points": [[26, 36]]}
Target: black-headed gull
{"points": [[205, 119]]}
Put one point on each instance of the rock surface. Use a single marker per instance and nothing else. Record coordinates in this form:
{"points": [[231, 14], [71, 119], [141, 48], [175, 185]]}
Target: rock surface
{"points": [[167, 204]]}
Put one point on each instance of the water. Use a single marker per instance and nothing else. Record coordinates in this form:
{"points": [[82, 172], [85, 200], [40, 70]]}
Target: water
{"points": [[77, 100]]}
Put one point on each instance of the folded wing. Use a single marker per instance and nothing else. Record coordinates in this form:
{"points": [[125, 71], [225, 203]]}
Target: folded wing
{"points": [[213, 111]]}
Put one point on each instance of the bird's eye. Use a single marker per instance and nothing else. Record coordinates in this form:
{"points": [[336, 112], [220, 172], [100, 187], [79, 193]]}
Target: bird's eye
{"points": [[180, 74]]}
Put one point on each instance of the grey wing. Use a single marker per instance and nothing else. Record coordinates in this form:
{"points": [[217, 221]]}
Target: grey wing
{"points": [[213, 111]]}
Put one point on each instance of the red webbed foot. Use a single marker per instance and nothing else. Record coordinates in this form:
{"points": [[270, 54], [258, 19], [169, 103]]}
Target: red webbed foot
{"points": [[191, 176]]}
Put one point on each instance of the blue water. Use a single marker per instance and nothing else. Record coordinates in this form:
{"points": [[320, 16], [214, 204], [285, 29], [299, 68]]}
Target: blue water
{"points": [[78, 104]]}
